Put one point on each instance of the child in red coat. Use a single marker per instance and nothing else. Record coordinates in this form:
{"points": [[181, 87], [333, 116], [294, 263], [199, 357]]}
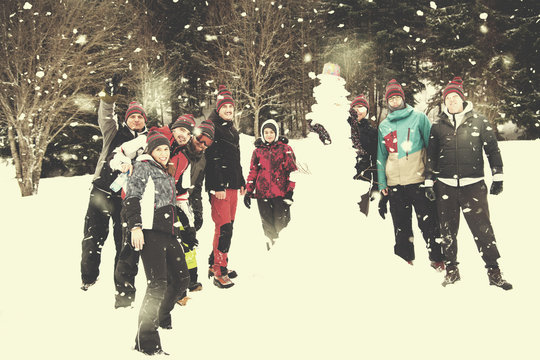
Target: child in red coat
{"points": [[268, 181]]}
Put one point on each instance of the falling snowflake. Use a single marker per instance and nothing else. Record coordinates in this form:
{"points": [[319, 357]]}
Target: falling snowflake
{"points": [[81, 40], [40, 74], [432, 5], [27, 6], [420, 13], [483, 16], [472, 62], [243, 14], [406, 28]]}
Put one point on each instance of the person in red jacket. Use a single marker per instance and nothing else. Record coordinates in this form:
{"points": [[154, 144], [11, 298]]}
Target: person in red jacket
{"points": [[269, 182]]}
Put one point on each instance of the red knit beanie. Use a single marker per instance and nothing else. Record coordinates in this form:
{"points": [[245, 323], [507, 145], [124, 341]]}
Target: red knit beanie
{"points": [[224, 97], [360, 100], [155, 139], [135, 108], [456, 85], [207, 128], [393, 88], [186, 121]]}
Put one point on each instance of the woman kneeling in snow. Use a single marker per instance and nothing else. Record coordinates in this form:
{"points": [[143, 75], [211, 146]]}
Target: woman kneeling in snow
{"points": [[268, 180], [149, 210]]}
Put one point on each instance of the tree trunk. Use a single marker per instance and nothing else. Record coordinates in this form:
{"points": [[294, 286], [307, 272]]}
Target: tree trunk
{"points": [[27, 164]]}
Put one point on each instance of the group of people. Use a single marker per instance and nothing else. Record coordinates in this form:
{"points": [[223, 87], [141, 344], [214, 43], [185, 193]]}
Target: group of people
{"points": [[437, 169], [149, 183]]}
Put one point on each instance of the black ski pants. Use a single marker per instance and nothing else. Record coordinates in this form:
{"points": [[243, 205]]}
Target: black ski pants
{"points": [[101, 208], [472, 201], [275, 216], [167, 278], [402, 200], [126, 270]]}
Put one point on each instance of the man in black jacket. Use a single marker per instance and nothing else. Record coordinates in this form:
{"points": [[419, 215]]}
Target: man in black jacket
{"points": [[223, 180], [105, 203], [455, 159]]}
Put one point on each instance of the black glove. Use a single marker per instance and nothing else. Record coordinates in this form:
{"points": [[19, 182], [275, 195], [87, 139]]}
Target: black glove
{"points": [[430, 193], [383, 209], [111, 90], [247, 200], [198, 220], [288, 197], [188, 236], [353, 113], [496, 188]]}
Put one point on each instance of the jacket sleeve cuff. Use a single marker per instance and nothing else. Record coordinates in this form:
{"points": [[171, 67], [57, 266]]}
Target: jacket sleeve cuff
{"points": [[498, 177]]}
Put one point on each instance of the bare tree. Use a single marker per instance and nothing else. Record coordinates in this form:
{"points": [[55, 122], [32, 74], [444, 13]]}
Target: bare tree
{"points": [[251, 43], [53, 54]]}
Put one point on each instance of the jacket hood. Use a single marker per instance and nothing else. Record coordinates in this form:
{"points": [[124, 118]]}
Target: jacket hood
{"points": [[400, 114], [468, 107], [274, 124]]}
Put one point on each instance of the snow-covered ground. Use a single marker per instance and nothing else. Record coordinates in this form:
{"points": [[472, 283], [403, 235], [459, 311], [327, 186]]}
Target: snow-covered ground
{"points": [[330, 289]]}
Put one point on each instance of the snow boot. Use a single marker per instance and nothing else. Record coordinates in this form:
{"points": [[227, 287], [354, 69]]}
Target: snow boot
{"points": [[85, 287], [269, 243], [223, 282], [230, 273], [196, 286], [452, 275], [495, 278], [183, 301], [438, 265]]}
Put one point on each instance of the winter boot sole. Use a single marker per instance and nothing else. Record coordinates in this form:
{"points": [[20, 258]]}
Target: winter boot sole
{"points": [[232, 274]]}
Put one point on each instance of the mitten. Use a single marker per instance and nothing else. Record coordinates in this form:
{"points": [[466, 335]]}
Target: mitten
{"points": [[496, 188], [189, 238], [247, 200], [383, 208], [430, 193], [288, 197]]}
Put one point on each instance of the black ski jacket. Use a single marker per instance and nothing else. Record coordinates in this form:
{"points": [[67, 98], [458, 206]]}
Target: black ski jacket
{"points": [[456, 153], [223, 169]]}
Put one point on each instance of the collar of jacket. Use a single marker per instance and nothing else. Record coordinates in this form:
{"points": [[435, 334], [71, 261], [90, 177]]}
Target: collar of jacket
{"points": [[400, 114], [148, 158], [144, 131], [460, 117], [218, 120]]}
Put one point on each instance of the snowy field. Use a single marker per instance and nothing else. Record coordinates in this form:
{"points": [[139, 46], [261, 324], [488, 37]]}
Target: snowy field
{"points": [[331, 288]]}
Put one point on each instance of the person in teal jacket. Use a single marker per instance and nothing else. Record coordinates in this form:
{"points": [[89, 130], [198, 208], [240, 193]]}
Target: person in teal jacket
{"points": [[401, 157]]}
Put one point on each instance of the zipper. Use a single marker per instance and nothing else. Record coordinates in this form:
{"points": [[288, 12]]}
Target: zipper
{"points": [[408, 143], [457, 157]]}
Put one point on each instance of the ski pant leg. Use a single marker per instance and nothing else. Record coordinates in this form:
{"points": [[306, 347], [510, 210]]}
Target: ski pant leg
{"points": [[448, 209], [177, 279], [96, 230], [117, 227], [223, 214], [428, 221], [474, 202], [154, 261], [266, 211], [401, 211], [125, 273], [282, 214]]}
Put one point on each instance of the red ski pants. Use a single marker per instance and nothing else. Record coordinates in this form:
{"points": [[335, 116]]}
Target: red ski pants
{"points": [[223, 213]]}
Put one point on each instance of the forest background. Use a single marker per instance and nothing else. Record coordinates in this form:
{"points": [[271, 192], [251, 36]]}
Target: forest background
{"points": [[173, 54]]}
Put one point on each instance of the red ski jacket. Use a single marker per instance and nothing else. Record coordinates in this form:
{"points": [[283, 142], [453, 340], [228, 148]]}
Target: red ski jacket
{"points": [[271, 165]]}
